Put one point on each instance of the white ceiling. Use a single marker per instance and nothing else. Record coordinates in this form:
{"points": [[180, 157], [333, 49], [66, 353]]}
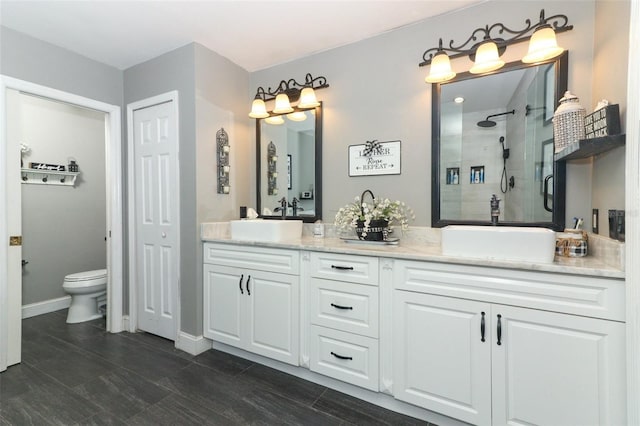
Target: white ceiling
{"points": [[253, 34]]}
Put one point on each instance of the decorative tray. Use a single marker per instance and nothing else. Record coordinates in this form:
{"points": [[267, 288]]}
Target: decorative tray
{"points": [[387, 242]]}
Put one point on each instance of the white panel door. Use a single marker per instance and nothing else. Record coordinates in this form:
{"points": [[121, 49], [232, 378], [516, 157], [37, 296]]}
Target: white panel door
{"points": [[157, 226], [14, 226], [272, 315], [557, 369], [440, 359], [223, 299]]}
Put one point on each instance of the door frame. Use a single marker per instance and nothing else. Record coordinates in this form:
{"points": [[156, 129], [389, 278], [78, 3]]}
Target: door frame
{"points": [[115, 212], [131, 220]]}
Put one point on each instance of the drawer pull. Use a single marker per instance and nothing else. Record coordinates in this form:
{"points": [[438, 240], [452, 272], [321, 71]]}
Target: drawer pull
{"points": [[342, 268], [482, 327], [341, 357], [248, 288], [240, 284], [341, 307]]}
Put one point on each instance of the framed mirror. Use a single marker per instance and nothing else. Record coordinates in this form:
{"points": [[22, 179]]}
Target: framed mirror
{"points": [[289, 165], [493, 134]]}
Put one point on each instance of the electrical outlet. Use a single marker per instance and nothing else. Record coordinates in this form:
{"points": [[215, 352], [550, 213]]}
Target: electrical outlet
{"points": [[594, 221]]}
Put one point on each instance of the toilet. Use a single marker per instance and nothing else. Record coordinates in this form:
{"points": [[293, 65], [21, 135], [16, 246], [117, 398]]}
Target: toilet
{"points": [[87, 290]]}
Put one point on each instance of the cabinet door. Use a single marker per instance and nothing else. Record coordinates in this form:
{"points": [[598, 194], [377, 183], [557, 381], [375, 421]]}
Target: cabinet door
{"points": [[272, 314], [557, 369], [223, 300], [440, 361]]}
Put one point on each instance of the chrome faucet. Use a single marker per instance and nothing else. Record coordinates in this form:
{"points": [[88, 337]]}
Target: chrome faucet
{"points": [[495, 209], [294, 205], [283, 207]]}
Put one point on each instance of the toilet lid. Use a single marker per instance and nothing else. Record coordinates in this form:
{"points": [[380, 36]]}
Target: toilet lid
{"points": [[87, 275]]}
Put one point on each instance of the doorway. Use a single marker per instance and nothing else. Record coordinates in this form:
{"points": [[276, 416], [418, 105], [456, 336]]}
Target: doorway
{"points": [[10, 187]]}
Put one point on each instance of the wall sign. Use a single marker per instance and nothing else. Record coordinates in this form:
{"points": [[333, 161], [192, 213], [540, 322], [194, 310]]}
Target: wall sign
{"points": [[45, 166], [374, 158], [602, 122]]}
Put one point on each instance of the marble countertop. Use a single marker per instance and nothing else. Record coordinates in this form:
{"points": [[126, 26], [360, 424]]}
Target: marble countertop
{"points": [[424, 248]]}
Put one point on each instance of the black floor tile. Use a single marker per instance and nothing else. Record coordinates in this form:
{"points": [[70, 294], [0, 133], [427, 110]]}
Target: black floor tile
{"points": [[284, 384], [223, 362], [77, 374], [176, 410], [360, 412], [50, 404], [102, 419], [158, 342], [20, 379], [122, 393], [75, 367], [143, 359]]}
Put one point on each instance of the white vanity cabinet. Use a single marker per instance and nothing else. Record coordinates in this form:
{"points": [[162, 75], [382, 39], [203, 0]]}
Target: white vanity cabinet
{"points": [[459, 353], [247, 304], [343, 311]]}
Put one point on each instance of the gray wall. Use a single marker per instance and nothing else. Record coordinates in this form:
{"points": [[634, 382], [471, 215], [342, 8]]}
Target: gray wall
{"points": [[64, 227], [208, 86], [175, 71], [37, 61], [610, 63], [377, 91]]}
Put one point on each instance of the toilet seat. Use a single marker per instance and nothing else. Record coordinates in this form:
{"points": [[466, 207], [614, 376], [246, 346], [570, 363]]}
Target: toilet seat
{"points": [[85, 279]]}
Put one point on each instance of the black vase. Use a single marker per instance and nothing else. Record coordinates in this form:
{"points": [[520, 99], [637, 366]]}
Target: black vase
{"points": [[377, 230]]}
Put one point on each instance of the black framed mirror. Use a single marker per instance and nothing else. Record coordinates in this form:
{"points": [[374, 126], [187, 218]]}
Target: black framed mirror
{"points": [[492, 134], [289, 165]]}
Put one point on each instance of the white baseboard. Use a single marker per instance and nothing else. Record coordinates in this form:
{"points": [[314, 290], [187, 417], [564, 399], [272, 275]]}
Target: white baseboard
{"points": [[193, 345], [46, 306], [125, 322]]}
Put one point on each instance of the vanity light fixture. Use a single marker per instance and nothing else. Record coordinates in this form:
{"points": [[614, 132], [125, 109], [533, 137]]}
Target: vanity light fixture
{"points": [[275, 120], [486, 53], [297, 116], [286, 92]]}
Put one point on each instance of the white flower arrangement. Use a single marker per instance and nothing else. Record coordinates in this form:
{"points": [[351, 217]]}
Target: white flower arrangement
{"points": [[24, 148], [394, 212]]}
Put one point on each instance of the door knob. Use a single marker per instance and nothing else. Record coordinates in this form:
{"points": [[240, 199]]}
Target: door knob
{"points": [[164, 235]]}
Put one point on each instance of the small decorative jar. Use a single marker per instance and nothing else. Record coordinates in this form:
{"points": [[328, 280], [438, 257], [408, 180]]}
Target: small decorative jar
{"points": [[73, 166], [568, 122]]}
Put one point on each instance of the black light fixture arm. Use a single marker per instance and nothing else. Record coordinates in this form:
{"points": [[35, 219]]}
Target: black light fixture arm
{"points": [[291, 88], [496, 32]]}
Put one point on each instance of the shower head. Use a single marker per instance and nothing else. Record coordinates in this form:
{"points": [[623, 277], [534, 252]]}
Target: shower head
{"points": [[486, 123], [490, 123]]}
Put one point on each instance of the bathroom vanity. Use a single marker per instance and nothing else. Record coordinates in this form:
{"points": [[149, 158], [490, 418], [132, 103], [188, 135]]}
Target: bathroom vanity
{"points": [[479, 341]]}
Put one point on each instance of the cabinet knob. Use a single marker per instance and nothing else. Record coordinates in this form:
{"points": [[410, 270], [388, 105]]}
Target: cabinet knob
{"points": [[164, 235]]}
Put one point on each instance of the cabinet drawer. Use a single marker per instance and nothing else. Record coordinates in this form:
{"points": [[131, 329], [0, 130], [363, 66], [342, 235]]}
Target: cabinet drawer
{"points": [[345, 267], [259, 258], [344, 306], [345, 356], [579, 295]]}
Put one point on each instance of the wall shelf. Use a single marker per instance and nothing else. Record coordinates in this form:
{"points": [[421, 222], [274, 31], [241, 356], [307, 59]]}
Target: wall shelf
{"points": [[48, 177], [586, 148]]}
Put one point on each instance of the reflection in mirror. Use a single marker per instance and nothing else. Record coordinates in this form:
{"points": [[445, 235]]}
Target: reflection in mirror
{"points": [[493, 134], [289, 154]]}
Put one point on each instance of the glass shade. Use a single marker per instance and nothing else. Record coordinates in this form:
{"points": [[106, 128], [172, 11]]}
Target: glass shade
{"points": [[487, 58], [542, 46], [308, 98], [276, 120], [258, 109], [297, 116], [440, 69], [282, 104]]}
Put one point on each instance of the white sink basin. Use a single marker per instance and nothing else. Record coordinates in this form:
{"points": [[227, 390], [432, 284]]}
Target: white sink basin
{"points": [[499, 243], [266, 230]]}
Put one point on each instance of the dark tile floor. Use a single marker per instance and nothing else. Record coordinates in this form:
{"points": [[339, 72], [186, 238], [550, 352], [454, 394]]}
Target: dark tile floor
{"points": [[77, 374]]}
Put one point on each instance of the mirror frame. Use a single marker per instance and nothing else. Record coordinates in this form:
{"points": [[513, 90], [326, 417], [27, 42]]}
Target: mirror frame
{"points": [[561, 66], [318, 172]]}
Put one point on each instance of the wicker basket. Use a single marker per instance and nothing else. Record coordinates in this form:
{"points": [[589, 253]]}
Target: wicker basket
{"points": [[568, 122]]}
